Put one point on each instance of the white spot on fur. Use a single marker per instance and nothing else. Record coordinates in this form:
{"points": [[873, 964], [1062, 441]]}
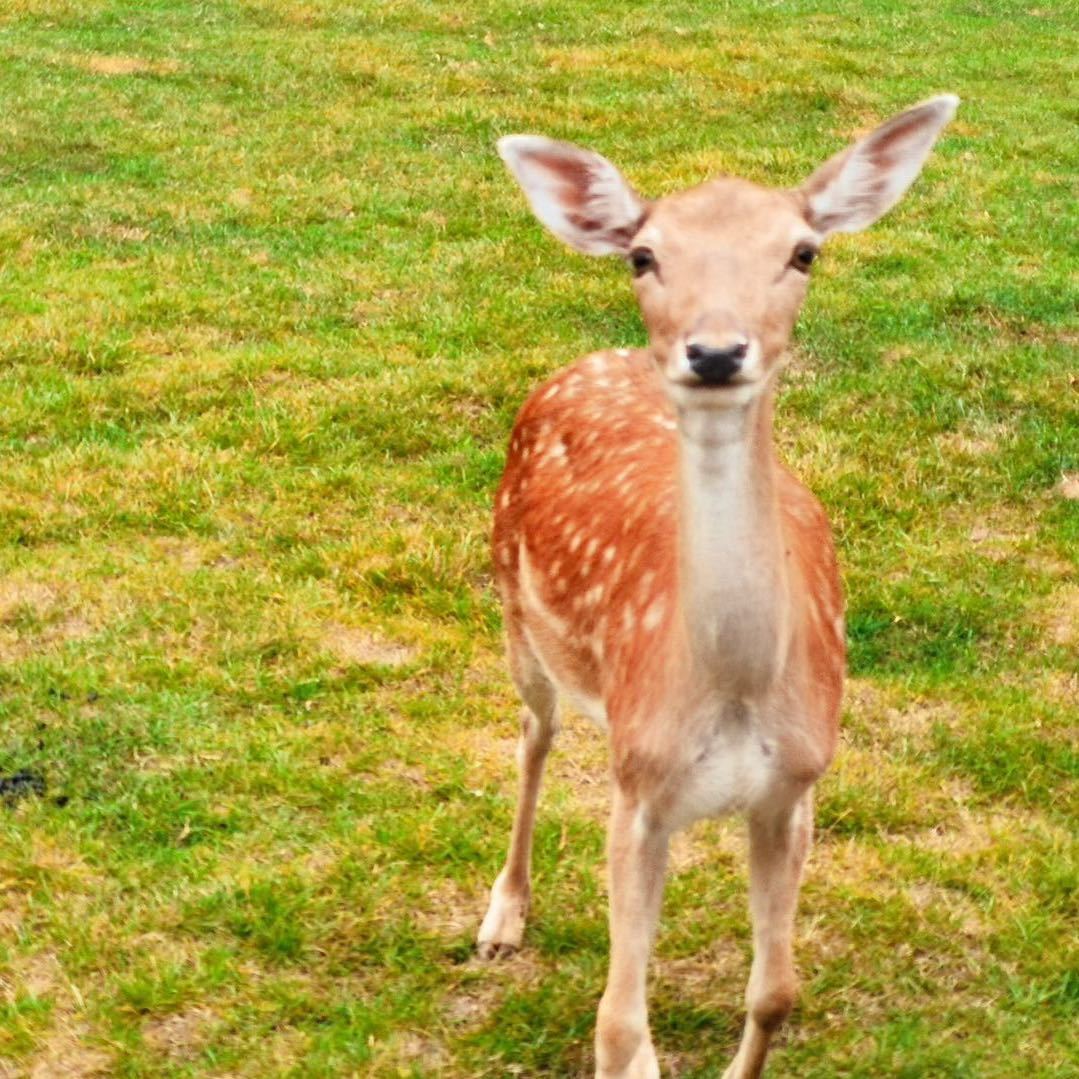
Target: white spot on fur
{"points": [[623, 352], [608, 554], [551, 391], [654, 615]]}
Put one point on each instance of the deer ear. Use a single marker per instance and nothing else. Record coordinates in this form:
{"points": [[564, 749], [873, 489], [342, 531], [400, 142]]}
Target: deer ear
{"points": [[579, 195], [854, 188]]}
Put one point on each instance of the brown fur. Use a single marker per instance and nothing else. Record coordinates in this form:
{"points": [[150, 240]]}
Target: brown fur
{"points": [[613, 486]]}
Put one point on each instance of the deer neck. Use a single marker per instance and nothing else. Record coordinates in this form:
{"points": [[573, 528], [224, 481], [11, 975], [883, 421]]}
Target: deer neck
{"points": [[733, 580]]}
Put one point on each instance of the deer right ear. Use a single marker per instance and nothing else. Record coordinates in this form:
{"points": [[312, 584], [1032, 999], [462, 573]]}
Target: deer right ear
{"points": [[579, 195]]}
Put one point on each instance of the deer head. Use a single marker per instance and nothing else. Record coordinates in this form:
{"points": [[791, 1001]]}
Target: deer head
{"points": [[721, 270]]}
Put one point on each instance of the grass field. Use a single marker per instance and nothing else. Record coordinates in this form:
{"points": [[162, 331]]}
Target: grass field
{"points": [[268, 304]]}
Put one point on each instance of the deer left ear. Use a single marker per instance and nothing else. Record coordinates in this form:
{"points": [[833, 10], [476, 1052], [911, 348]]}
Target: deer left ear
{"points": [[854, 188], [579, 195]]}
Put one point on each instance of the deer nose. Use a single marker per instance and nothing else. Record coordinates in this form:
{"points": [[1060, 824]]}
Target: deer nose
{"points": [[716, 366]]}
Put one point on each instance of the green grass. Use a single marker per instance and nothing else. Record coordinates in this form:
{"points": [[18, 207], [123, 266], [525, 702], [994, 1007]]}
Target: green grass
{"points": [[268, 304]]}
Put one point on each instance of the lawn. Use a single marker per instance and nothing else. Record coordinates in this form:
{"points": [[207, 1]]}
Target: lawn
{"points": [[268, 305]]}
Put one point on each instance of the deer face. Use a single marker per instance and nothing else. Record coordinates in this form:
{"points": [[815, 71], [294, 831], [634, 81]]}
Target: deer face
{"points": [[721, 270], [720, 273]]}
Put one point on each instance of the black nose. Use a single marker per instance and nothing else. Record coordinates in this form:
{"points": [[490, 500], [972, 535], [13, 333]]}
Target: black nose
{"points": [[716, 366]]}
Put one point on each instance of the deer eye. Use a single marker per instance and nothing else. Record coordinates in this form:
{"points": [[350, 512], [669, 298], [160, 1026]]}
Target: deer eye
{"points": [[642, 260], [803, 256]]}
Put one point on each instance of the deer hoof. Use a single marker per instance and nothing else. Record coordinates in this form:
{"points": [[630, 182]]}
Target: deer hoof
{"points": [[489, 950]]}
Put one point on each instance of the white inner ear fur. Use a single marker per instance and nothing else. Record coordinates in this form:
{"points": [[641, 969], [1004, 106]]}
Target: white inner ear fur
{"points": [[853, 190], [579, 195]]}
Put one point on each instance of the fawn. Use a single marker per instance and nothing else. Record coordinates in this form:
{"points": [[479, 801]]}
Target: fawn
{"points": [[661, 569]]}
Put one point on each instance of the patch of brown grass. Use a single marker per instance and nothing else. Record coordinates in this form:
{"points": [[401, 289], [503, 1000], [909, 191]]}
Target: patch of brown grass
{"points": [[352, 645], [64, 1051], [1062, 688], [66, 1054], [179, 1037], [448, 909], [1062, 615], [406, 1050], [44, 603], [112, 65], [976, 441]]}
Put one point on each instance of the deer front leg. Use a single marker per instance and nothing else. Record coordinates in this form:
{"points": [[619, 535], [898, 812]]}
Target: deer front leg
{"points": [[778, 845], [503, 925], [637, 856]]}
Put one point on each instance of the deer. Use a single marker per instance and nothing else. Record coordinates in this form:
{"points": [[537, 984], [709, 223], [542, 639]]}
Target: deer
{"points": [[663, 572]]}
